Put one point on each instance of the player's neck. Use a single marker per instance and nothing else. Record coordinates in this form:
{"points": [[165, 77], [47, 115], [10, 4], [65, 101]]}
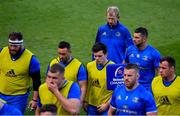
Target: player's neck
{"points": [[134, 87], [170, 78], [143, 46], [1, 105], [105, 62]]}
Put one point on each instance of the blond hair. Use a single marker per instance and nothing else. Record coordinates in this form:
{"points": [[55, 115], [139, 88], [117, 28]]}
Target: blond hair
{"points": [[114, 9]]}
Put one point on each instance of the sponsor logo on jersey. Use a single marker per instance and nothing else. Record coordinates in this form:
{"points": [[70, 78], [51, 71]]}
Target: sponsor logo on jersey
{"points": [[11, 73], [119, 97], [145, 58], [135, 100], [118, 34], [96, 83], [164, 100], [104, 34]]}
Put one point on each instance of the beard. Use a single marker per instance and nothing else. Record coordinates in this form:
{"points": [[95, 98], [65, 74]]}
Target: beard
{"points": [[139, 45], [15, 52]]}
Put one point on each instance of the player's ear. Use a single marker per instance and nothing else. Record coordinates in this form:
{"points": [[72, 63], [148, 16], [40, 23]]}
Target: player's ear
{"points": [[138, 75], [69, 50]]}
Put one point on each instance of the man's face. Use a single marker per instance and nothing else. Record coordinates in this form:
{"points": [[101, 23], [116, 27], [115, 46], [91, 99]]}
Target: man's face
{"points": [[47, 113], [100, 57], [55, 78], [14, 49], [164, 69], [130, 78], [112, 18], [138, 39], [64, 54]]}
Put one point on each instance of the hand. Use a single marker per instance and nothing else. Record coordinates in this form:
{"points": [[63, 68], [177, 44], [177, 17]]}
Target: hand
{"points": [[32, 105], [52, 86], [103, 107], [85, 105]]}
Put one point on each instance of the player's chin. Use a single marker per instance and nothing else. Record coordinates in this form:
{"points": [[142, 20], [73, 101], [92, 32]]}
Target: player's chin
{"points": [[12, 52], [127, 84]]}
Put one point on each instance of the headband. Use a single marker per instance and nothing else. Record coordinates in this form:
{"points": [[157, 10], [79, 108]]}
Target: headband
{"points": [[15, 42]]}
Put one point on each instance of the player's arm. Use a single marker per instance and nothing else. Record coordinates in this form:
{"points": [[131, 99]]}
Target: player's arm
{"points": [[83, 87], [111, 111], [37, 112], [38, 109], [156, 61], [70, 104], [103, 107], [35, 75], [82, 80], [151, 113], [112, 107], [151, 109]]}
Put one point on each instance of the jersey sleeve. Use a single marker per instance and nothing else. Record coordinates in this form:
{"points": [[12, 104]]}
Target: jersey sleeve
{"points": [[34, 65], [157, 58], [98, 36], [34, 72], [150, 103], [113, 98], [82, 73], [74, 91], [127, 55], [128, 39]]}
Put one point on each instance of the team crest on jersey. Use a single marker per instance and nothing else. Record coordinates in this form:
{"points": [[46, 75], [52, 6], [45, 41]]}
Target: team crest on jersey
{"points": [[118, 34], [11, 73], [135, 99], [104, 34], [96, 83], [145, 58]]}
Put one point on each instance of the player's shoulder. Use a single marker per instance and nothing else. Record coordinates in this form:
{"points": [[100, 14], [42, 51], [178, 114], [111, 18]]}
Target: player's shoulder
{"points": [[54, 60], [103, 27], [157, 78], [77, 61], [123, 28], [131, 48], [43, 86], [153, 49], [178, 78], [1, 49], [119, 88], [111, 62], [91, 63]]}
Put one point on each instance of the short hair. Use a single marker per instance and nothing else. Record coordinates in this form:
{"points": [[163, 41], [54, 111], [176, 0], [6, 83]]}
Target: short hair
{"points": [[132, 66], [49, 108], [114, 9], [64, 44], [171, 61], [57, 68], [142, 30], [15, 36], [98, 47]]}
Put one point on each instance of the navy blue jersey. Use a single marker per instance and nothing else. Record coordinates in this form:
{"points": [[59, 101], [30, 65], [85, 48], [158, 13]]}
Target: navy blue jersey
{"points": [[117, 39], [148, 60], [135, 102]]}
